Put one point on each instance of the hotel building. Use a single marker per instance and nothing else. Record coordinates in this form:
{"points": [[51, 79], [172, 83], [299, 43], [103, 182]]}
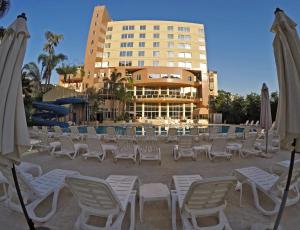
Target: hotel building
{"points": [[166, 59]]}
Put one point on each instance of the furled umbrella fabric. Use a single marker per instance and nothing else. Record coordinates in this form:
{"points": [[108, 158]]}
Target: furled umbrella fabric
{"points": [[265, 112], [286, 46], [13, 127]]}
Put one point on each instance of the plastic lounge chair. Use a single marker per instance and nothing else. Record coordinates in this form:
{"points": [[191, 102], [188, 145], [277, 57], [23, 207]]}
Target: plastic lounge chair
{"points": [[251, 123], [75, 134], [58, 131], [126, 149], [256, 123], [104, 198], [231, 134], [213, 132], [91, 132], [130, 133], [172, 135], [194, 132], [149, 150], [43, 143], [184, 148], [150, 132], [94, 149], [271, 185], [198, 198], [262, 144], [68, 148], [248, 148], [110, 135], [246, 123], [218, 149], [36, 190]]}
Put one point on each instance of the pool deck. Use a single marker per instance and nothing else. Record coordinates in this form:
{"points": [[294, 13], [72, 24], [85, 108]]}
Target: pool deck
{"points": [[156, 214]]}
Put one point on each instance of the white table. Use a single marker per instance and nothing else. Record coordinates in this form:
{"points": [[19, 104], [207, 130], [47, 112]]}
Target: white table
{"points": [[234, 148], [202, 149], [153, 192]]}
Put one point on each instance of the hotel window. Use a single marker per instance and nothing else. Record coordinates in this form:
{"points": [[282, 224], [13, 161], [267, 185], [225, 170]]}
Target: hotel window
{"points": [[155, 53], [155, 35], [125, 27], [190, 78], [184, 37], [143, 27], [170, 44], [91, 51], [126, 44], [155, 44], [203, 56], [130, 35], [200, 31], [201, 39], [129, 53], [125, 63], [125, 53], [141, 44], [138, 77], [141, 53], [105, 64], [156, 27], [92, 42], [106, 54], [185, 64], [129, 44], [107, 45], [171, 64], [155, 63], [140, 63], [142, 35], [131, 27], [170, 28], [93, 32], [184, 29], [95, 23], [108, 37], [184, 46], [123, 44], [170, 36], [170, 54], [184, 55], [201, 47], [123, 36], [109, 28]]}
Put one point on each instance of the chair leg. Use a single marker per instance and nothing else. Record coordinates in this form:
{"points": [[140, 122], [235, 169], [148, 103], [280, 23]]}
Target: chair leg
{"points": [[141, 209], [132, 210], [174, 201]]}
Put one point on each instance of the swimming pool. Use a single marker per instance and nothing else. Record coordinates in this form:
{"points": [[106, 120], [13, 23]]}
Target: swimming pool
{"points": [[159, 130]]}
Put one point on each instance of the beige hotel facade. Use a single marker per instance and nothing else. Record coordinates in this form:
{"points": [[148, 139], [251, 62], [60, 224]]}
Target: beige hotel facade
{"points": [[166, 59]]}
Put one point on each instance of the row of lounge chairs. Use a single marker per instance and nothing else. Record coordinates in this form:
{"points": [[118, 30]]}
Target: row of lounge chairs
{"points": [[196, 197]]}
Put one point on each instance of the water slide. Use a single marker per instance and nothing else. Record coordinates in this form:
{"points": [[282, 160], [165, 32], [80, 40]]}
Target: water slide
{"points": [[51, 111]]}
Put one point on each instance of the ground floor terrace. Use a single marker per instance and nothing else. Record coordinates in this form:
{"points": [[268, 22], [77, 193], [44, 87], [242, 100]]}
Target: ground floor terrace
{"points": [[156, 214]]}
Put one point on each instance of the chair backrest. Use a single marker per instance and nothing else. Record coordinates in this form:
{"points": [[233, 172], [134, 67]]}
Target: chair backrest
{"points": [[94, 145], [247, 122], [172, 132], [94, 194], [249, 142], [148, 146], [257, 123], [231, 129], [74, 129], [57, 130], [194, 131], [252, 122], [213, 129], [125, 145], [218, 145], [130, 131], [207, 194], [45, 129], [66, 143], [111, 131], [185, 142], [35, 128], [150, 131], [91, 130]]}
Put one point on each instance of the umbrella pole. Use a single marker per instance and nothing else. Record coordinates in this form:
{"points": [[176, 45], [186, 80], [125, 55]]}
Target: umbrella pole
{"points": [[267, 137], [286, 191], [29, 221]]}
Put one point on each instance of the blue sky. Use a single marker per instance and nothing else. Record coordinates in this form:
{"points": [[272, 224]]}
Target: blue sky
{"points": [[239, 41]]}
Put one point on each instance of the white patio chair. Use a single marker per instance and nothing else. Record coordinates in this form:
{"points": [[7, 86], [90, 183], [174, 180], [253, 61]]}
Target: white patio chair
{"points": [[271, 185], [246, 123], [248, 148], [251, 123], [184, 148], [256, 123], [58, 131], [172, 135], [194, 132], [231, 134], [43, 143], [218, 149], [91, 132], [213, 132], [261, 145], [75, 134], [200, 198], [110, 135], [36, 190], [94, 149], [149, 132], [68, 148], [103, 198], [126, 149], [130, 132], [149, 150]]}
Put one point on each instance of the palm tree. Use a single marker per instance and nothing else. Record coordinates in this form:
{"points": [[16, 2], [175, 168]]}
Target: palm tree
{"points": [[52, 41], [4, 7], [95, 100], [114, 80], [2, 32], [67, 71], [31, 72]]}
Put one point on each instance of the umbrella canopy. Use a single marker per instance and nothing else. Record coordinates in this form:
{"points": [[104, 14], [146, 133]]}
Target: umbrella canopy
{"points": [[13, 126], [265, 108], [286, 46]]}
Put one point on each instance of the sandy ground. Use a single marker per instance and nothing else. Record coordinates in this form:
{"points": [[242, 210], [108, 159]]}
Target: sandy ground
{"points": [[156, 214]]}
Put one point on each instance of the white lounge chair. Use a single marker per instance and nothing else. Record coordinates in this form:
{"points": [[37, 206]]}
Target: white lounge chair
{"points": [[150, 132], [68, 148], [269, 184], [104, 198], [149, 150], [246, 123], [58, 131], [94, 149], [251, 123], [172, 135], [43, 143], [231, 134], [256, 123], [199, 198], [218, 149], [213, 132], [111, 135], [261, 145], [75, 134], [91, 132], [184, 148], [36, 190], [248, 148], [126, 149], [194, 132]]}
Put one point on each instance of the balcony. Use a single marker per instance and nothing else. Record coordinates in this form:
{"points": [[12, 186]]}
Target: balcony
{"points": [[167, 99]]}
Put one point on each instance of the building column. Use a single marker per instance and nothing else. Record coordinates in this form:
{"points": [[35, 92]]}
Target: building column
{"points": [[143, 91], [168, 91], [159, 91], [143, 109], [192, 110], [134, 108], [168, 110], [134, 90], [183, 111], [159, 110]]}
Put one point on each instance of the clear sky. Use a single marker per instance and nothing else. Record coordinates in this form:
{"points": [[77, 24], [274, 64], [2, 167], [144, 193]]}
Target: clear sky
{"points": [[239, 41]]}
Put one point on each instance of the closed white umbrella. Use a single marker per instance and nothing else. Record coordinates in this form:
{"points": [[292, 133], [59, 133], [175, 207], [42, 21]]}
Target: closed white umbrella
{"points": [[286, 46], [265, 112]]}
